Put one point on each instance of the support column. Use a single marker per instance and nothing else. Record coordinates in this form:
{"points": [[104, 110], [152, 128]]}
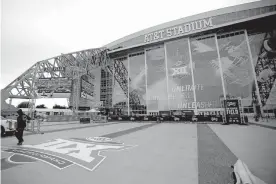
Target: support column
{"points": [[192, 72], [113, 80], [167, 75], [221, 76], [146, 76], [220, 68], [128, 84]]}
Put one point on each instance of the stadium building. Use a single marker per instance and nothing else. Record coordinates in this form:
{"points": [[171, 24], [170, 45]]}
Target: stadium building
{"points": [[194, 62], [189, 65]]}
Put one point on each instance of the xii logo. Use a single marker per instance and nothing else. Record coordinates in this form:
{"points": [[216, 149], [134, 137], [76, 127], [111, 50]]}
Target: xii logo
{"points": [[180, 71], [63, 153]]}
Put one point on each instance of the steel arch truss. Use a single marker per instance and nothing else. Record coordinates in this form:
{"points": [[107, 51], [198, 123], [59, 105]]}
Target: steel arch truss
{"points": [[85, 61], [121, 76]]}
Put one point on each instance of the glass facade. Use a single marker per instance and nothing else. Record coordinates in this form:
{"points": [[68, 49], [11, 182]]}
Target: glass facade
{"points": [[137, 83], [180, 84], [120, 98], [195, 73], [207, 73], [156, 81], [236, 66]]}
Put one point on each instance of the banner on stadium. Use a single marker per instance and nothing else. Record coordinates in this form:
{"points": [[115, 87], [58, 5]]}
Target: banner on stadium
{"points": [[165, 113], [54, 69], [87, 87], [53, 87], [182, 112]]}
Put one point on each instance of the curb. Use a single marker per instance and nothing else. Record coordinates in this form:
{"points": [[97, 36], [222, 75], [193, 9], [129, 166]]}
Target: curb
{"points": [[263, 125], [242, 174]]}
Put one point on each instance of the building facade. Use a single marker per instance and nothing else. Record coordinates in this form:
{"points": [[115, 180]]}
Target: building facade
{"points": [[193, 63]]}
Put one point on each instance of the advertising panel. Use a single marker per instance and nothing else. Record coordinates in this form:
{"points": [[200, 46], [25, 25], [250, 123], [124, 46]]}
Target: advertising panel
{"points": [[263, 49], [180, 85], [207, 73], [182, 112], [54, 69], [157, 96], [237, 69], [232, 111], [165, 113], [137, 83], [88, 87], [53, 87]]}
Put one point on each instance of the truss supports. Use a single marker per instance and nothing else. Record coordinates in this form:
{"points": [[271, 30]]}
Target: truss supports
{"points": [[56, 67], [71, 66], [121, 76]]}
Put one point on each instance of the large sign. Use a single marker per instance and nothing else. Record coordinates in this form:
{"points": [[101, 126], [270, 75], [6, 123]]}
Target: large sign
{"points": [[54, 87], [48, 82], [182, 112], [88, 87], [164, 113], [232, 111], [179, 30], [54, 69]]}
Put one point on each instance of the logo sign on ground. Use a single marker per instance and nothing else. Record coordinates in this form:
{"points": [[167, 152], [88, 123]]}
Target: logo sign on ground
{"points": [[232, 111], [63, 153]]}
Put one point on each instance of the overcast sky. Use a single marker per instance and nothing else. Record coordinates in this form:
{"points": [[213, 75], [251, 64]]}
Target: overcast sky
{"points": [[34, 30]]}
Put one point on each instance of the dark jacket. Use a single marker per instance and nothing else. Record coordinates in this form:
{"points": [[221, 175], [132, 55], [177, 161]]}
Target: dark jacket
{"points": [[21, 119]]}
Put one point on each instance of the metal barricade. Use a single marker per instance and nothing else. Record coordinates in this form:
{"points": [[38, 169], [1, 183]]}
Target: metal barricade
{"points": [[99, 119], [34, 126], [12, 125]]}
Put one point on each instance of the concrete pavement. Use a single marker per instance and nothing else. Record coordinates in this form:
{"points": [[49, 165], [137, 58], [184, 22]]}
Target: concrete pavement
{"points": [[265, 122], [151, 153], [254, 145]]}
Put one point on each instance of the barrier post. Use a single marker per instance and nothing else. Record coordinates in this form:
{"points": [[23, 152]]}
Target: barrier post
{"points": [[32, 125], [38, 125]]}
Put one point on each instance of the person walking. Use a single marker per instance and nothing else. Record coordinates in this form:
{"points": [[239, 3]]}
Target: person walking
{"points": [[21, 125]]}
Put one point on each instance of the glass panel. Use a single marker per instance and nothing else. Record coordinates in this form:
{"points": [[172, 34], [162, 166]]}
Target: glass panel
{"points": [[263, 49], [157, 97], [257, 11], [179, 75], [137, 84], [119, 98], [236, 66], [206, 73]]}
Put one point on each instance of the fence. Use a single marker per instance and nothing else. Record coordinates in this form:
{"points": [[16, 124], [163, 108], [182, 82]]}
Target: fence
{"points": [[34, 126]]}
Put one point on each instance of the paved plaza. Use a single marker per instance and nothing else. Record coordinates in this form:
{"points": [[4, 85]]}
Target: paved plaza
{"points": [[68, 152]]}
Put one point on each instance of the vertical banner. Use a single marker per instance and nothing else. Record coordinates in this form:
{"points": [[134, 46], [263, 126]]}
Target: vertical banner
{"points": [[157, 97], [180, 85], [237, 69], [232, 111], [263, 50], [207, 73], [137, 83], [88, 87]]}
